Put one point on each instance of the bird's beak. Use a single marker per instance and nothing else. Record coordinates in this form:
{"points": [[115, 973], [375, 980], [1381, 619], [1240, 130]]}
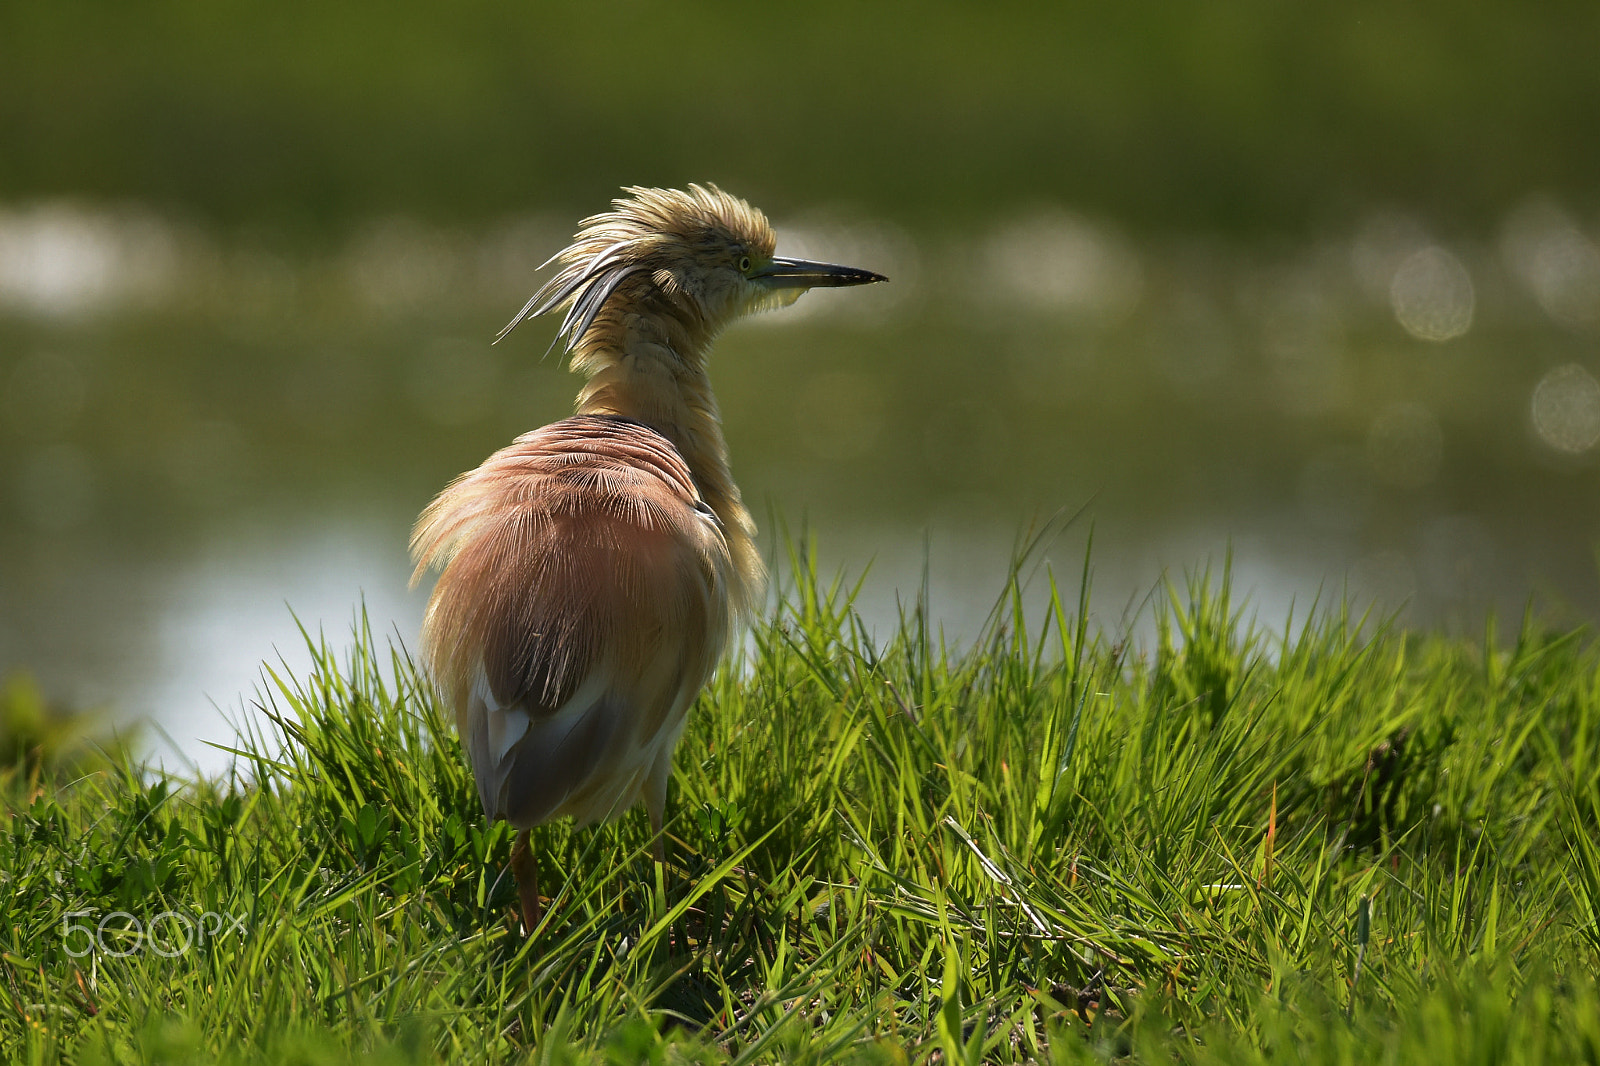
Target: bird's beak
{"points": [[785, 273]]}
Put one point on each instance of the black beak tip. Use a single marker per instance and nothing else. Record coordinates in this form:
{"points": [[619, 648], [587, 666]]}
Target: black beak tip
{"points": [[856, 276]]}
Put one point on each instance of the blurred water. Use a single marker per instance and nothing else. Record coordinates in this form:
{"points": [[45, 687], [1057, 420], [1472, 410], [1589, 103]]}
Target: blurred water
{"points": [[197, 435]]}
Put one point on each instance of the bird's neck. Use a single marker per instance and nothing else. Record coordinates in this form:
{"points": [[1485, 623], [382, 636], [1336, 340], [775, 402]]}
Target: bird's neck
{"points": [[639, 369]]}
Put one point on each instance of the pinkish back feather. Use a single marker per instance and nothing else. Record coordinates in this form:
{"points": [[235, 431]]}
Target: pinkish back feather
{"points": [[578, 562]]}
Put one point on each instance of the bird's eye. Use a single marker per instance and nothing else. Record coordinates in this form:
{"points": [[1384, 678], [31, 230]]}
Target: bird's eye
{"points": [[744, 264]]}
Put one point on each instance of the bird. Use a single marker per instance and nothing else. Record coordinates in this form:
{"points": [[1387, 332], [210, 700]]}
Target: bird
{"points": [[592, 572]]}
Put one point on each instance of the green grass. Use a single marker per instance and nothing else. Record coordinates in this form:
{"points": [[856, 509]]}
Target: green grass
{"points": [[1337, 842]]}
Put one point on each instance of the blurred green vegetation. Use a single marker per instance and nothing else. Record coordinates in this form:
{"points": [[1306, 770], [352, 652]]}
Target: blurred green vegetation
{"points": [[1249, 115], [42, 741]]}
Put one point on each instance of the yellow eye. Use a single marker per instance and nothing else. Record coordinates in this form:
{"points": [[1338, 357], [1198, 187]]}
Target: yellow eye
{"points": [[744, 264]]}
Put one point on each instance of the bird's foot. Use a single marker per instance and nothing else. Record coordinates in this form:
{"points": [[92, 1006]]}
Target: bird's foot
{"points": [[525, 868]]}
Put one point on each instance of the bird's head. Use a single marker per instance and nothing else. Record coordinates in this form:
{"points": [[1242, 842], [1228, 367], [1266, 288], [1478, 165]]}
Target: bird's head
{"points": [[699, 254]]}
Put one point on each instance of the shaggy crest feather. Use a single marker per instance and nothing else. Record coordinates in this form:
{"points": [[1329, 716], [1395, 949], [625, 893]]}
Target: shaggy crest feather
{"points": [[615, 244]]}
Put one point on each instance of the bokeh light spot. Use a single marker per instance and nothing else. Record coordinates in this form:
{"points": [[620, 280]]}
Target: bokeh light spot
{"points": [[1060, 263], [1432, 295], [1555, 260], [1566, 409], [63, 259]]}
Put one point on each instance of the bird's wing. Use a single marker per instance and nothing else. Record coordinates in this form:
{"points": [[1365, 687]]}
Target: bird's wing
{"points": [[582, 604]]}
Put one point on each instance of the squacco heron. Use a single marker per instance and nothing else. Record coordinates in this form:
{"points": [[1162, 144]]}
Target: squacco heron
{"points": [[594, 569]]}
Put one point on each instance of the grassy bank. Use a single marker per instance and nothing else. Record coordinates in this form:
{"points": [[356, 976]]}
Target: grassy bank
{"points": [[1325, 843]]}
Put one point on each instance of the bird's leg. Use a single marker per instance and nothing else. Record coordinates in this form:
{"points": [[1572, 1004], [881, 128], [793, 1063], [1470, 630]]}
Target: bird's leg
{"points": [[655, 801], [525, 868], [658, 843], [658, 852]]}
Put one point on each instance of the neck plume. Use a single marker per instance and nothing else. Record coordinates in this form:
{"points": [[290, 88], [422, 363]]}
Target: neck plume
{"points": [[644, 358]]}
